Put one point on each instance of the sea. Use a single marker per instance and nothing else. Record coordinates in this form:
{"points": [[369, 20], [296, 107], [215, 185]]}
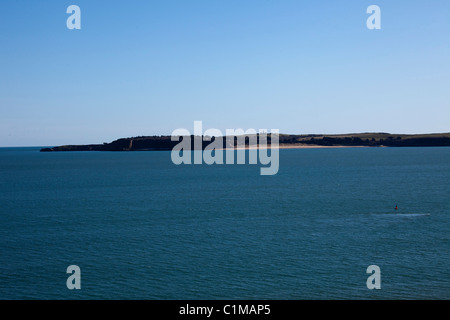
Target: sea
{"points": [[140, 227]]}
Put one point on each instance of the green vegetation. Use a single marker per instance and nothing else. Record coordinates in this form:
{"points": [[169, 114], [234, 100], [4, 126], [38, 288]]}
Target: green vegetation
{"points": [[368, 139]]}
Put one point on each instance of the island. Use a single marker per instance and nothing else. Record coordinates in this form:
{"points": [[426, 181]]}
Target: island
{"points": [[155, 143]]}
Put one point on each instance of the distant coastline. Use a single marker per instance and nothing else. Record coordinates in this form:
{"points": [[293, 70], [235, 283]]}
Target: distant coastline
{"points": [[286, 141]]}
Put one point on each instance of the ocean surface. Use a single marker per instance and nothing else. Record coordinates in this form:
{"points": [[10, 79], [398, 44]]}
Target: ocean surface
{"points": [[140, 227]]}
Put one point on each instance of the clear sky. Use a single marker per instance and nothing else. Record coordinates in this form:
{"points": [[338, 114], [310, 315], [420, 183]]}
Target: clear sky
{"points": [[147, 67]]}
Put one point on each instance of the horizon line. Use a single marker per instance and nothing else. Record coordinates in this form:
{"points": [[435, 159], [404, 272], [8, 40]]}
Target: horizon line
{"points": [[294, 134]]}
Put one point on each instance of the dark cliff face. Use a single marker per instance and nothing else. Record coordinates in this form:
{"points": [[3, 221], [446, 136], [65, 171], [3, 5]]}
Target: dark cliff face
{"points": [[124, 144], [127, 144], [138, 144], [363, 139]]}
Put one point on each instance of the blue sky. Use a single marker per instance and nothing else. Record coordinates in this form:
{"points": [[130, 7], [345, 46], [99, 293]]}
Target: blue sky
{"points": [[149, 67]]}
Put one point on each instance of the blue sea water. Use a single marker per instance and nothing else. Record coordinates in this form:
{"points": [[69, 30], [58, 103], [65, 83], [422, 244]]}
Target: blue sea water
{"points": [[140, 227]]}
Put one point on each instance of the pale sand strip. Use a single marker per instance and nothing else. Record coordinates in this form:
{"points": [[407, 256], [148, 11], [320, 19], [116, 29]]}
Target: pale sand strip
{"points": [[306, 146], [300, 146]]}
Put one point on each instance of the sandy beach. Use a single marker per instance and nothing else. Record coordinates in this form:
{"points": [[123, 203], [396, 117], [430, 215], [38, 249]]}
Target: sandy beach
{"points": [[299, 146]]}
